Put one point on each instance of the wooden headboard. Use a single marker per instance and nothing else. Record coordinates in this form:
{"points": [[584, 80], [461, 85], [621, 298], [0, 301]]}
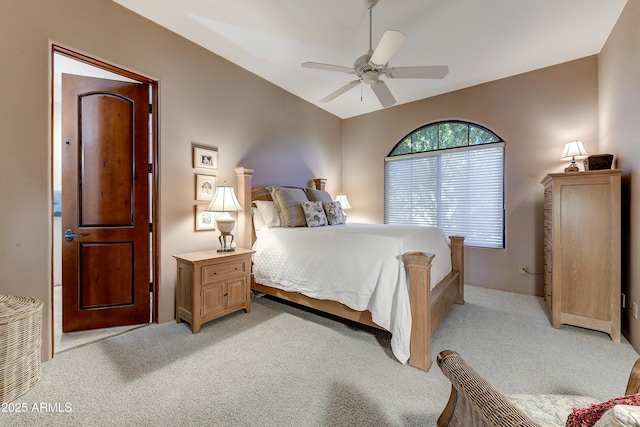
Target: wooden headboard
{"points": [[246, 196]]}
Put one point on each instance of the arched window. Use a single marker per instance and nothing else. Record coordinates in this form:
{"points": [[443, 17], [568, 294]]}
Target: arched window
{"points": [[449, 175]]}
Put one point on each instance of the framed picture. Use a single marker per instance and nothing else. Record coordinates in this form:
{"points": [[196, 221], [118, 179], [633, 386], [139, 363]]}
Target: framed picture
{"points": [[205, 187], [204, 220], [205, 158]]}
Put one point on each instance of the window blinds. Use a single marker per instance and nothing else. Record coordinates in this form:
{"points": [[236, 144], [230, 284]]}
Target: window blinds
{"points": [[458, 190]]}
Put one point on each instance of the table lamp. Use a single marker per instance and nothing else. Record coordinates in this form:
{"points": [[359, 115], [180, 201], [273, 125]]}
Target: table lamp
{"points": [[573, 150], [225, 201]]}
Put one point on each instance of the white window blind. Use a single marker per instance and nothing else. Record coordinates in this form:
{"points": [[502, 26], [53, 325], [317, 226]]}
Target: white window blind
{"points": [[458, 190]]}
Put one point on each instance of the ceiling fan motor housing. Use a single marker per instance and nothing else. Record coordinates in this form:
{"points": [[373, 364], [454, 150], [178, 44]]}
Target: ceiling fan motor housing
{"points": [[365, 70], [370, 3]]}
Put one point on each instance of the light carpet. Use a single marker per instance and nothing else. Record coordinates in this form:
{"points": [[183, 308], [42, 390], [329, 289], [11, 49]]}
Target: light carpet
{"points": [[283, 366]]}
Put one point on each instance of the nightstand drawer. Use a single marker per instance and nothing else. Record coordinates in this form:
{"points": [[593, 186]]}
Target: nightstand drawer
{"points": [[223, 271]]}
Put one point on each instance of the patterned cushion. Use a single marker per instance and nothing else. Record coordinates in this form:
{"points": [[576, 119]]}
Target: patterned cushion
{"points": [[334, 212], [587, 417], [549, 410], [620, 416], [314, 214]]}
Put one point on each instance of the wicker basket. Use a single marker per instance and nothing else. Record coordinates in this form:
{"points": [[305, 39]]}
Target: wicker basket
{"points": [[20, 342]]}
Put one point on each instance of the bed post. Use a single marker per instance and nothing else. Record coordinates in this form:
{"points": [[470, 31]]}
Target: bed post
{"points": [[244, 217], [418, 265], [457, 264], [320, 183]]}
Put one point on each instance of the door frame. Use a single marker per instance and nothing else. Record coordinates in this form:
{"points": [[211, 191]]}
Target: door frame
{"points": [[155, 171]]}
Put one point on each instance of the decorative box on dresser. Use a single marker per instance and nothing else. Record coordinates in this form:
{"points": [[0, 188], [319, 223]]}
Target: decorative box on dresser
{"points": [[212, 284], [582, 249]]}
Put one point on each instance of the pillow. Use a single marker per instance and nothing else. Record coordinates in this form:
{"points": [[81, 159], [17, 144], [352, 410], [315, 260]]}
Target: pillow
{"points": [[317, 195], [267, 210], [620, 416], [585, 417], [314, 214], [549, 409], [258, 221], [334, 212], [287, 203]]}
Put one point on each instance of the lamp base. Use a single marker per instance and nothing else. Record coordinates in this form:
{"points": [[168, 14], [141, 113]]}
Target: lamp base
{"points": [[225, 225], [571, 169], [224, 247]]}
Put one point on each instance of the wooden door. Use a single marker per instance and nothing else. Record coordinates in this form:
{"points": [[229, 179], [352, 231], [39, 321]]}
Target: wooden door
{"points": [[105, 203]]}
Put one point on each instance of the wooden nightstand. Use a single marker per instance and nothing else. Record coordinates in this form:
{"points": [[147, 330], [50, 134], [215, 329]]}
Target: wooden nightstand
{"points": [[212, 284]]}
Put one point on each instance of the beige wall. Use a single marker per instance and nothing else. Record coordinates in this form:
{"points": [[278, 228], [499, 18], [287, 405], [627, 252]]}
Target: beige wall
{"points": [[619, 71], [535, 113], [203, 99]]}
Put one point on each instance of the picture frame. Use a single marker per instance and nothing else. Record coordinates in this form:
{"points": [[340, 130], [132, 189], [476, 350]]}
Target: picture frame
{"points": [[204, 221], [205, 158], [205, 187]]}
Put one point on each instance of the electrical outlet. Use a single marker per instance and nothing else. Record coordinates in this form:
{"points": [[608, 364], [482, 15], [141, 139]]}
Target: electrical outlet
{"points": [[523, 270], [634, 307]]}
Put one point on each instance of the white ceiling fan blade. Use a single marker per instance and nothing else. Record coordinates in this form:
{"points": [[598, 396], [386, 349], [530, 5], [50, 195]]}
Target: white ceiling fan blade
{"points": [[418, 72], [387, 47], [328, 67], [337, 93], [383, 93]]}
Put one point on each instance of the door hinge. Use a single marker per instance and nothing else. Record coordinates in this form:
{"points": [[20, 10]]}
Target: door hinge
{"points": [[150, 227], [150, 167], [150, 108]]}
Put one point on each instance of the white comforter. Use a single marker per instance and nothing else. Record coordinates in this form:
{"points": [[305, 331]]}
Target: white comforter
{"points": [[359, 265]]}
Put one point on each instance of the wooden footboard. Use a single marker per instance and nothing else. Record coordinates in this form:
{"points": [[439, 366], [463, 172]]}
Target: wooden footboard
{"points": [[428, 305], [426, 317]]}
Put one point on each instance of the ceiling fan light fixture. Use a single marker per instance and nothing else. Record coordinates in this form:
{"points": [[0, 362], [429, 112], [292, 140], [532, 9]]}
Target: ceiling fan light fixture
{"points": [[370, 77]]}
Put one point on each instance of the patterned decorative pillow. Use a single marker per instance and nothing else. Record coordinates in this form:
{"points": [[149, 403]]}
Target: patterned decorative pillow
{"points": [[335, 214], [314, 214], [586, 417]]}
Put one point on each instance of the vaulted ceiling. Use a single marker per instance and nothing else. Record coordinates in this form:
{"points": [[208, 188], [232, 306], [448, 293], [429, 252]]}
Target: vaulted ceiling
{"points": [[479, 40]]}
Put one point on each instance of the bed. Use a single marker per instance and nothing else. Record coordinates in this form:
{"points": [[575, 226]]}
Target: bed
{"points": [[419, 290]]}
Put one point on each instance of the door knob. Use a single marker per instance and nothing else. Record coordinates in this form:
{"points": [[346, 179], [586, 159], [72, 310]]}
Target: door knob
{"points": [[69, 235]]}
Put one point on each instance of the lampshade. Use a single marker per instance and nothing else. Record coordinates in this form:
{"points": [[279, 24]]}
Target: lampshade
{"points": [[224, 200], [344, 203], [573, 150]]}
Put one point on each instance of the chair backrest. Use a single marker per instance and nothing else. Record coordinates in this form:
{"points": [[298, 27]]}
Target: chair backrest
{"points": [[633, 385], [474, 402]]}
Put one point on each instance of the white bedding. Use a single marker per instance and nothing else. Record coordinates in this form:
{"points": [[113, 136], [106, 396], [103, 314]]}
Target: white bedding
{"points": [[359, 265]]}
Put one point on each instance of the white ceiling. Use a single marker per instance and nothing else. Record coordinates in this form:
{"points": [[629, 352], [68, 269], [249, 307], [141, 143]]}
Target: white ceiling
{"points": [[480, 40]]}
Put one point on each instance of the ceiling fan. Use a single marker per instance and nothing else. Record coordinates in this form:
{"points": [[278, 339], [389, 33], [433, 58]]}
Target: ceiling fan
{"points": [[375, 63]]}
